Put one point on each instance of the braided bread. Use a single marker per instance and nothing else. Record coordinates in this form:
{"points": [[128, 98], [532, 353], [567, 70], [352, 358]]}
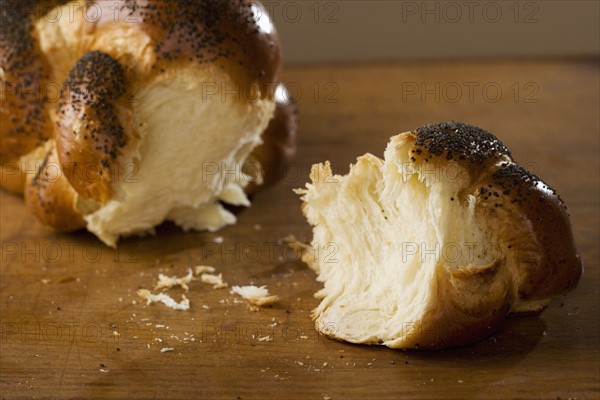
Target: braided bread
{"points": [[434, 246], [166, 110]]}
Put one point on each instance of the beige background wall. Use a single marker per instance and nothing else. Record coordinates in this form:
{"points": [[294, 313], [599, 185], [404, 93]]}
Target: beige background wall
{"points": [[349, 30]]}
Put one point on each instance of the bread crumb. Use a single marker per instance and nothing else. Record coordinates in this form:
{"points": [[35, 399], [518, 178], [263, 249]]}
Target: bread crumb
{"points": [[218, 239], [257, 296], [165, 299], [326, 397], [266, 338], [167, 349], [45, 281], [215, 280], [296, 244], [201, 269], [170, 281]]}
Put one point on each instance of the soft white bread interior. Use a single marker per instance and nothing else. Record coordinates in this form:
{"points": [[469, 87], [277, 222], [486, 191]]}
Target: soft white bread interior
{"points": [[433, 246], [188, 158]]}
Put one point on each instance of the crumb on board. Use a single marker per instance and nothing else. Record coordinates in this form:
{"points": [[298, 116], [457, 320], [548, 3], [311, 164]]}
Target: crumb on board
{"points": [[296, 244], [256, 296], [215, 280], [266, 338], [167, 349], [202, 269], [165, 299], [167, 282]]}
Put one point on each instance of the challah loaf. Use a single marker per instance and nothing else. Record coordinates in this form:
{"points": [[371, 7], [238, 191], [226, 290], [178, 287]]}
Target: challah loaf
{"points": [[435, 245], [161, 106]]}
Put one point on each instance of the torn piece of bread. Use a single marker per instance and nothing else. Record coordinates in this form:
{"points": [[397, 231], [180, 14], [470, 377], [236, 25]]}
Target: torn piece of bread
{"points": [[167, 300], [256, 296], [435, 245], [215, 280], [202, 269], [167, 282]]}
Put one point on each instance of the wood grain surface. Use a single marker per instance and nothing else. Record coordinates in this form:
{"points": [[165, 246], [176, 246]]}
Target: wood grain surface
{"points": [[72, 325]]}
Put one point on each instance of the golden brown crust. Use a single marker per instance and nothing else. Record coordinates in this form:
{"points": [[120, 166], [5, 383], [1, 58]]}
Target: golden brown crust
{"points": [[538, 207], [50, 196], [235, 35], [529, 218], [90, 134], [13, 178], [458, 141], [24, 119], [525, 220]]}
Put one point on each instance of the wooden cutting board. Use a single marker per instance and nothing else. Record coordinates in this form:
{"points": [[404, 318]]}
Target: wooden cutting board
{"points": [[73, 326]]}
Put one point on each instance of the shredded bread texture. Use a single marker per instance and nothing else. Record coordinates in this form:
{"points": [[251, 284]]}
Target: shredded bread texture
{"points": [[215, 280], [256, 296], [167, 300], [171, 281]]}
